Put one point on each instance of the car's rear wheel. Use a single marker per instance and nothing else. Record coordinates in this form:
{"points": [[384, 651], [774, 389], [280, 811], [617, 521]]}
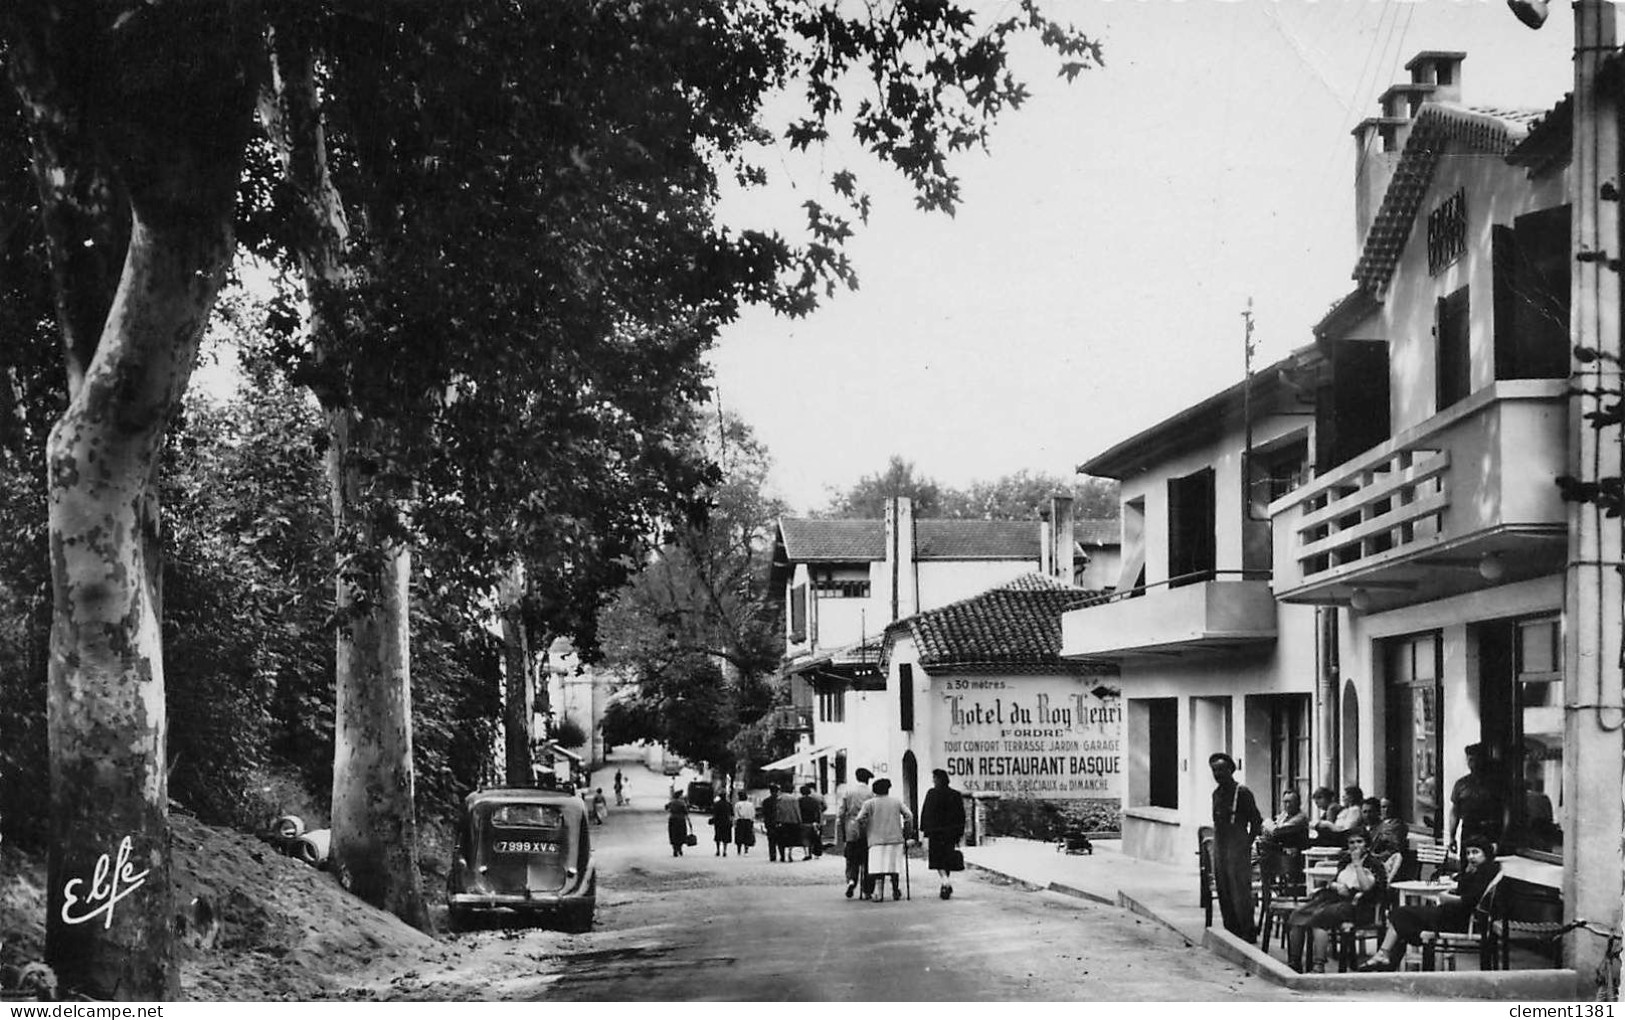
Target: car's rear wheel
{"points": [[459, 918], [576, 918]]}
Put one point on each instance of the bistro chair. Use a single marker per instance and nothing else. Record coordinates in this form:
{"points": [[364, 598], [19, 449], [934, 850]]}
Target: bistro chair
{"points": [[1279, 895], [1430, 858], [1204, 856], [1530, 915], [1443, 947]]}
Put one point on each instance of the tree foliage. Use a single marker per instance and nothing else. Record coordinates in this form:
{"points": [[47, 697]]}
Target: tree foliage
{"points": [[695, 629], [1020, 496]]}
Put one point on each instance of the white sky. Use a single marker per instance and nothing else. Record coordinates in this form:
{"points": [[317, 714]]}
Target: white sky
{"points": [[1093, 281]]}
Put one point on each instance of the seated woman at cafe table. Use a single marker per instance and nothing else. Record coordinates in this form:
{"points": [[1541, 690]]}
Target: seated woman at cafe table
{"points": [[1353, 895], [1451, 913]]}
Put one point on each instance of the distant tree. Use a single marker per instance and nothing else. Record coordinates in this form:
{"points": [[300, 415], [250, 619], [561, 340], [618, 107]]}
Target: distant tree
{"points": [[866, 499], [569, 733], [1025, 495], [1021, 496], [695, 629]]}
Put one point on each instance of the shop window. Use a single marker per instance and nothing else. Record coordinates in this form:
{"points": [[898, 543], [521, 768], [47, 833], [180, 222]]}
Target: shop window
{"points": [[1535, 756], [1162, 769], [1415, 733]]}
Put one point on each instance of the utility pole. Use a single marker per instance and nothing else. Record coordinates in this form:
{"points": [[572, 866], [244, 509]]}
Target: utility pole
{"points": [[1593, 782]]}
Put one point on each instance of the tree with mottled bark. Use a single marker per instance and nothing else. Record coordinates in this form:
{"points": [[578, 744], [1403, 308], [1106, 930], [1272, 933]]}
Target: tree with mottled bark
{"points": [[138, 114]]}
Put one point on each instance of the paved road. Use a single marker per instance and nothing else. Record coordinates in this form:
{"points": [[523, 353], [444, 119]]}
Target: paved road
{"points": [[702, 927]]}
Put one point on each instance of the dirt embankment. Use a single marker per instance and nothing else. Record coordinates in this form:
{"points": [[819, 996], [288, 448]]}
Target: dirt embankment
{"points": [[286, 931]]}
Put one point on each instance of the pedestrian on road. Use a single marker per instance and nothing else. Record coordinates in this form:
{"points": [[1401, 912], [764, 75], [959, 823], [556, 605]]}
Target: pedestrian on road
{"points": [[812, 822], [853, 847], [620, 789], [942, 823], [788, 810], [744, 824], [600, 806], [677, 824], [770, 821], [884, 822], [1236, 823], [722, 824]]}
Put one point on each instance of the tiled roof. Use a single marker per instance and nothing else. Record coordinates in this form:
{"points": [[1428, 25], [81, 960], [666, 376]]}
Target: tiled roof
{"points": [[1550, 139], [1439, 128], [1089, 532], [845, 541], [975, 540], [1017, 623], [811, 541]]}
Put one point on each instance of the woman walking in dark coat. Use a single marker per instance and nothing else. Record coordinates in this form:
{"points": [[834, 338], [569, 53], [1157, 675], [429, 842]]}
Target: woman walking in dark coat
{"points": [[677, 826], [942, 823], [722, 824]]}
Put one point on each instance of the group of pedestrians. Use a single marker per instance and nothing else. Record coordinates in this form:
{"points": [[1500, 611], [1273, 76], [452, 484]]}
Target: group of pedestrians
{"points": [[872, 824], [793, 822], [874, 827], [1374, 851]]}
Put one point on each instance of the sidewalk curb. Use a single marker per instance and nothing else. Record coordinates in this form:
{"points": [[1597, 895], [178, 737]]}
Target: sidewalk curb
{"points": [[1540, 985]]}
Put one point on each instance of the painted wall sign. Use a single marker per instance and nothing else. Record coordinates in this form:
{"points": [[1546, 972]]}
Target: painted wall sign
{"points": [[1053, 738]]}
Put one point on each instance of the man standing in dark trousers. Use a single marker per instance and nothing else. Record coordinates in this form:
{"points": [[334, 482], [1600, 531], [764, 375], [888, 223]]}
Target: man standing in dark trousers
{"points": [[812, 822], [770, 822], [853, 847], [788, 810], [1236, 822]]}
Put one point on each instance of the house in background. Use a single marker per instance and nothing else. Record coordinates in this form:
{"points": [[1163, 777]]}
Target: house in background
{"points": [[845, 581], [978, 688], [1206, 660], [1099, 552]]}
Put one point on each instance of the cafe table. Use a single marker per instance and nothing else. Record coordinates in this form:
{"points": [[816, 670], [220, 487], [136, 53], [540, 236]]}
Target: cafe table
{"points": [[1318, 875], [1421, 892]]}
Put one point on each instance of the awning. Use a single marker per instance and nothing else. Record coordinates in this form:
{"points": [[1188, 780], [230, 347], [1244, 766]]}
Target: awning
{"points": [[548, 747], [801, 758]]}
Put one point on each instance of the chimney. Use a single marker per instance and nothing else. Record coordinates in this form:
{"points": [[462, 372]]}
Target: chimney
{"points": [[1442, 70], [902, 580], [1062, 539], [1379, 141]]}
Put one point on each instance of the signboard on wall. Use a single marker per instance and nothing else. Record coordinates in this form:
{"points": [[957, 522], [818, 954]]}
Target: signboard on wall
{"points": [[1051, 738]]}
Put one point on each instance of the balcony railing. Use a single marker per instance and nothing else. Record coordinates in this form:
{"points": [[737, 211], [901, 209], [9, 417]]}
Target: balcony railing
{"points": [[1190, 613], [1469, 480]]}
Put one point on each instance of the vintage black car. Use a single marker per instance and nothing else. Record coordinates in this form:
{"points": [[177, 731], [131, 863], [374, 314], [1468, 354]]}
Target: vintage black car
{"points": [[526, 851]]}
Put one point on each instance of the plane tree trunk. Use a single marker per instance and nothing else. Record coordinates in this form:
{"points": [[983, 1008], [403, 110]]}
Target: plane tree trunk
{"points": [[137, 152], [374, 848]]}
